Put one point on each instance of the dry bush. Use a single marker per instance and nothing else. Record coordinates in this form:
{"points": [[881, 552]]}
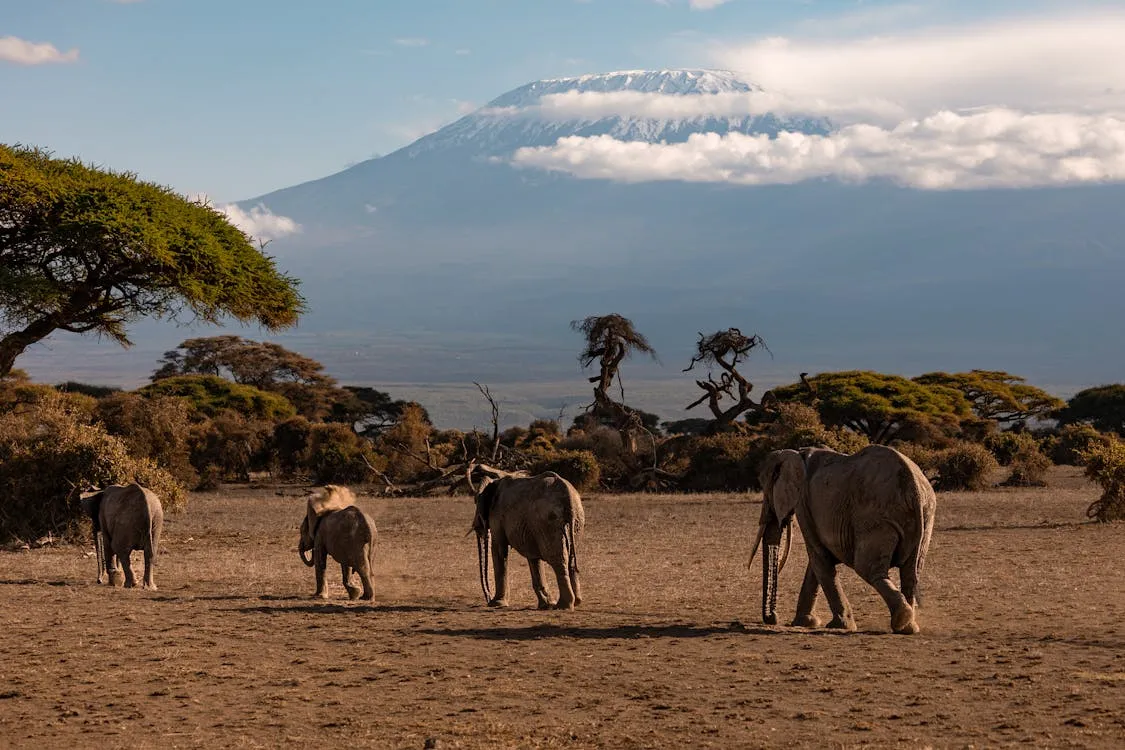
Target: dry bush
{"points": [[580, 468], [158, 428], [605, 444], [335, 454], [727, 461], [290, 441], [1105, 464], [1029, 466], [965, 466], [404, 445], [48, 455], [230, 446]]}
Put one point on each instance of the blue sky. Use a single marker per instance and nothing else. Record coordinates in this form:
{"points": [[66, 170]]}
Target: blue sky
{"points": [[234, 98]]}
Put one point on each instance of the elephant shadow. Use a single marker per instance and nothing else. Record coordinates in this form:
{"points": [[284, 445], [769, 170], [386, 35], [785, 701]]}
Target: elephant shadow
{"points": [[615, 632], [328, 608]]}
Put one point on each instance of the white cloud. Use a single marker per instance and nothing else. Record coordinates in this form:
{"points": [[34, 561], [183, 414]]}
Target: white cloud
{"points": [[594, 105], [412, 41], [986, 149], [1075, 60], [706, 4], [22, 52], [259, 222]]}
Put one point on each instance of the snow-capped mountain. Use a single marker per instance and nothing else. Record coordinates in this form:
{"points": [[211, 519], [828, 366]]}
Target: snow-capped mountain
{"points": [[443, 262], [518, 119]]}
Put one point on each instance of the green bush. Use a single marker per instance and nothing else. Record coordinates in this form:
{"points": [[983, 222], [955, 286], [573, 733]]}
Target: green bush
{"points": [[965, 466], [1005, 445], [1105, 464], [48, 455], [211, 395], [580, 468], [1067, 446]]}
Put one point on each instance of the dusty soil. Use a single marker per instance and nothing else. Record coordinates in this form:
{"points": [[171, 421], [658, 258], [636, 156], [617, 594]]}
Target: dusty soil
{"points": [[1022, 643]]}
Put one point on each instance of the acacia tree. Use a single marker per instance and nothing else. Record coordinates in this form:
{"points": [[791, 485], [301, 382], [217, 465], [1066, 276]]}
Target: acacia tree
{"points": [[610, 340], [727, 349], [880, 407], [88, 250], [996, 395]]}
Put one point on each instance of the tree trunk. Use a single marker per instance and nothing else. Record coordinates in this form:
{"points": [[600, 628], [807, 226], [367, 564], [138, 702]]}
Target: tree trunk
{"points": [[14, 344]]}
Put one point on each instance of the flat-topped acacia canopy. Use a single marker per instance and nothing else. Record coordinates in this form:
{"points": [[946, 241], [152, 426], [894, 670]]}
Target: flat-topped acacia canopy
{"points": [[88, 250]]}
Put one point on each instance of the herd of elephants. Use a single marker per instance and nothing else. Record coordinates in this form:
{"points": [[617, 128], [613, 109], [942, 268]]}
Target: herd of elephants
{"points": [[872, 511]]}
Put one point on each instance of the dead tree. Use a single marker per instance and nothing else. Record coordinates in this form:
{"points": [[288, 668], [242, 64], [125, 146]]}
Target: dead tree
{"points": [[727, 349], [610, 339]]}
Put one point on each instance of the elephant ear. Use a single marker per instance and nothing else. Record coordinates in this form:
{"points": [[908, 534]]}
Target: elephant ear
{"points": [[485, 498], [783, 482]]}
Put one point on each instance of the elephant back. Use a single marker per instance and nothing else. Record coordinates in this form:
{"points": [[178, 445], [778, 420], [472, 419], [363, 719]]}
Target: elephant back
{"points": [[327, 499]]}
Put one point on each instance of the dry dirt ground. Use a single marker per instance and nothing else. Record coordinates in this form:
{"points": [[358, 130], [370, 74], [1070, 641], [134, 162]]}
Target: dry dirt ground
{"points": [[1022, 643]]}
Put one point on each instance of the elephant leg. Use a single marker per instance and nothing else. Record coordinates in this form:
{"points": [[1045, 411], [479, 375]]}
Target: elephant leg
{"points": [[574, 584], [346, 577], [804, 617], [873, 565], [123, 554], [115, 577], [364, 570], [541, 594], [320, 563], [825, 569], [567, 599], [149, 554], [500, 570]]}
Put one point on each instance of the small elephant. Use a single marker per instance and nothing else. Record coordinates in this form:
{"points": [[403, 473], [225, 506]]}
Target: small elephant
{"points": [[334, 525], [872, 511], [124, 518], [540, 516]]}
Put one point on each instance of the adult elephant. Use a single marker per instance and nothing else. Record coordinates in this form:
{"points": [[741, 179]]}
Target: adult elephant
{"points": [[873, 511], [124, 518], [539, 516]]}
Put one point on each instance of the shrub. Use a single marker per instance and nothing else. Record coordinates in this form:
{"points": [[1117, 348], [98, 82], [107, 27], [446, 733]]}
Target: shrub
{"points": [[965, 466], [48, 456], [1067, 446], [232, 444], [580, 468], [405, 443], [605, 443], [290, 441], [728, 461], [1005, 445], [1105, 464], [1029, 466], [158, 428], [335, 454]]}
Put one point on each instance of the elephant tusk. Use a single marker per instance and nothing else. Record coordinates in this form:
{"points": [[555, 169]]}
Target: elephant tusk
{"points": [[757, 543]]}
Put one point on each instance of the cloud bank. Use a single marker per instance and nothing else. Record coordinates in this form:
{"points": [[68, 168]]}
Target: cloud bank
{"points": [[259, 222], [989, 149], [1024, 103], [22, 52], [1075, 61]]}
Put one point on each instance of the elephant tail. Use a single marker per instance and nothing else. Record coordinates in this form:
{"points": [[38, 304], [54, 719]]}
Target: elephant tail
{"points": [[572, 551]]}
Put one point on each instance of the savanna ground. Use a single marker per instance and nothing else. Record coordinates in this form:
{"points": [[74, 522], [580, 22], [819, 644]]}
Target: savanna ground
{"points": [[1022, 643]]}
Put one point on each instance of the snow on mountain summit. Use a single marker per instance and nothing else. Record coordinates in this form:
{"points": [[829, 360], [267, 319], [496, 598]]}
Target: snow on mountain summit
{"points": [[680, 82], [521, 117]]}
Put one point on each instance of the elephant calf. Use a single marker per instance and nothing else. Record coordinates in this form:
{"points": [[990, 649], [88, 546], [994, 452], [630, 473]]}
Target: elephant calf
{"points": [[539, 516], [125, 518], [334, 525]]}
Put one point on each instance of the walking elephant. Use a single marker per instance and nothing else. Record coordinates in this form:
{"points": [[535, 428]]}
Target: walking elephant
{"points": [[334, 525], [540, 517], [872, 511], [124, 518]]}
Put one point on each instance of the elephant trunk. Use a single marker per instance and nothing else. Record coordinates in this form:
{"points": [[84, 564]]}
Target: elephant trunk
{"points": [[306, 543], [99, 553], [778, 540], [483, 542]]}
